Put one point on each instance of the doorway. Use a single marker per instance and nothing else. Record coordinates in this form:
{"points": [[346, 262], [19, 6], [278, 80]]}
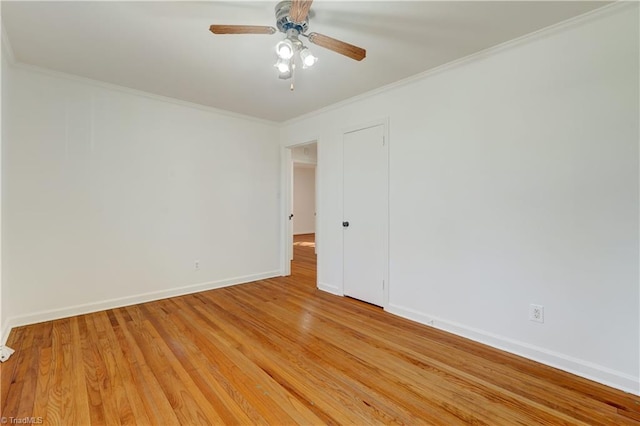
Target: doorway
{"points": [[301, 201], [304, 201]]}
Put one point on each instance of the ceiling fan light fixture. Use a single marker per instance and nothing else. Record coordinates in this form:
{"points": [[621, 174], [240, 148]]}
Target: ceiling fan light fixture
{"points": [[308, 59], [292, 19], [285, 49], [283, 66], [285, 75]]}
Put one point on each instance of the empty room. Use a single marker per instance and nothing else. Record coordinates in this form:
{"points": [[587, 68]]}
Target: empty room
{"points": [[320, 212]]}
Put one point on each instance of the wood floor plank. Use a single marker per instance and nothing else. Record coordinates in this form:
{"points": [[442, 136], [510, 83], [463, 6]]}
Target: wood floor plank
{"points": [[188, 405], [78, 385], [378, 337], [184, 348], [89, 354], [138, 407], [57, 409], [157, 406], [22, 380], [99, 379], [7, 368], [230, 395], [272, 402], [262, 354], [193, 404], [367, 398], [127, 406], [402, 373], [279, 351]]}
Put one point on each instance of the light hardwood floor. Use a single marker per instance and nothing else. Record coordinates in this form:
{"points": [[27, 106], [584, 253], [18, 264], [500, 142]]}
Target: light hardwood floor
{"points": [[279, 351]]}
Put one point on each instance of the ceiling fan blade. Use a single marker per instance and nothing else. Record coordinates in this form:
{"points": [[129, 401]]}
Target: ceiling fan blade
{"points": [[241, 29], [341, 47], [300, 10]]}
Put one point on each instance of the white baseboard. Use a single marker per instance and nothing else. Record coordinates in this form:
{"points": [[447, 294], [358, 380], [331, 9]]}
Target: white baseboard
{"points": [[87, 308], [561, 361], [330, 289]]}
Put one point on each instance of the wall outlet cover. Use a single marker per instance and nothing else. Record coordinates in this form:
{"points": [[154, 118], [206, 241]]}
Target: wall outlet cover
{"points": [[536, 313]]}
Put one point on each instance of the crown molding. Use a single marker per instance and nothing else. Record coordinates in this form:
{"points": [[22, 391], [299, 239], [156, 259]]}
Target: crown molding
{"points": [[140, 93], [590, 16], [540, 34], [8, 54]]}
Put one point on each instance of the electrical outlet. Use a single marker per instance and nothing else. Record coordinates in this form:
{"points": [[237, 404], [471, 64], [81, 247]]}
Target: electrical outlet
{"points": [[536, 313], [196, 265]]}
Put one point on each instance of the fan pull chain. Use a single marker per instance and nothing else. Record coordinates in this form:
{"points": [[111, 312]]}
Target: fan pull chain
{"points": [[293, 76]]}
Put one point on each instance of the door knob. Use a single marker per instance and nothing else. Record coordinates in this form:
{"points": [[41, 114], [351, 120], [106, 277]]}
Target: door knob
{"points": [[345, 224]]}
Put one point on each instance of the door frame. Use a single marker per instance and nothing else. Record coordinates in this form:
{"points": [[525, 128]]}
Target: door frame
{"points": [[385, 190], [286, 191]]}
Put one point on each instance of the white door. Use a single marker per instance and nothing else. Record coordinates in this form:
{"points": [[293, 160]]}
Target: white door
{"points": [[315, 212], [365, 204]]}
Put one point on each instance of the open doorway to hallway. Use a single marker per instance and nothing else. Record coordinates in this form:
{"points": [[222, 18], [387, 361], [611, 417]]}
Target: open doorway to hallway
{"points": [[304, 162], [303, 207], [304, 198]]}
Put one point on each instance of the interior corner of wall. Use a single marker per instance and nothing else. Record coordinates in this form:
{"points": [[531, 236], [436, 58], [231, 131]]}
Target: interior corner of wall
{"points": [[5, 331], [6, 49]]}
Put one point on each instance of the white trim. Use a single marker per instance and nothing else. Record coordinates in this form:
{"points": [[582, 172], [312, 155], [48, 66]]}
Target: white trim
{"points": [[317, 249], [330, 289], [285, 204], [304, 163], [383, 121], [7, 50], [8, 55], [316, 223], [136, 92], [87, 308], [554, 359], [477, 56], [541, 33]]}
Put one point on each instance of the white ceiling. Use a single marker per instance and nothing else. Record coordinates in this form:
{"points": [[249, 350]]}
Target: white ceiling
{"points": [[166, 48]]}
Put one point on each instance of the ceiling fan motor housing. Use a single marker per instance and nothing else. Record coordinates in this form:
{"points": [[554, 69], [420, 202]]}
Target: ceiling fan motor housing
{"points": [[284, 21]]}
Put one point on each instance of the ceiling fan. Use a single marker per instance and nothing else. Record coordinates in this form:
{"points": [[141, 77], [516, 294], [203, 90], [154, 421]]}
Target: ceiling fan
{"points": [[292, 19]]}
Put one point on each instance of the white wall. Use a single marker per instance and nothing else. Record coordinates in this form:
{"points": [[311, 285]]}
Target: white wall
{"points": [[4, 79], [304, 199], [110, 197], [513, 180]]}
